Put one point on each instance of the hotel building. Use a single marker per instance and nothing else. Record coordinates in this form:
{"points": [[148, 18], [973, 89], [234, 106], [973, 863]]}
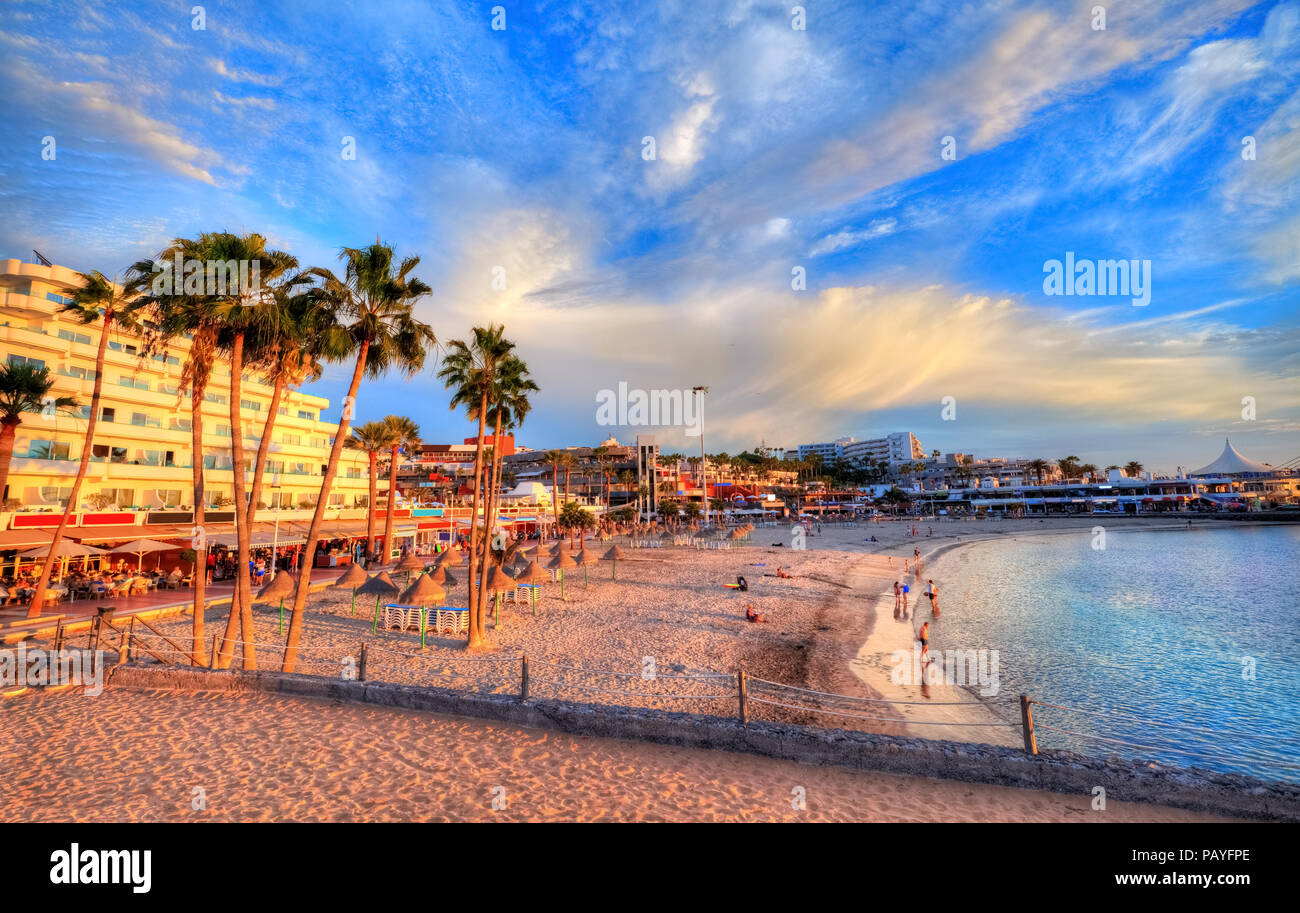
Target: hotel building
{"points": [[143, 450]]}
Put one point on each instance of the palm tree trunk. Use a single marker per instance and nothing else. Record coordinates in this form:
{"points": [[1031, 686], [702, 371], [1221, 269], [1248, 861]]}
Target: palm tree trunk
{"points": [[475, 629], [38, 597], [392, 504], [241, 600], [555, 494], [370, 514], [198, 650], [313, 534], [264, 450], [7, 434], [490, 513]]}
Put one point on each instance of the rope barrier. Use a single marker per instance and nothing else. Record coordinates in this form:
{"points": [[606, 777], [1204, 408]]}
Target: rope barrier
{"points": [[873, 700], [546, 681], [854, 716], [512, 657], [658, 675]]}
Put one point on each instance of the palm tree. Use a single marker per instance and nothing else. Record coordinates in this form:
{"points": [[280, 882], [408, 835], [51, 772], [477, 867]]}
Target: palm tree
{"points": [[555, 459], [1133, 468], [1038, 467], [1069, 467], [372, 438], [405, 436], [508, 406], [1089, 470], [470, 372], [291, 351], [243, 312], [600, 454], [23, 389], [372, 315], [95, 300]]}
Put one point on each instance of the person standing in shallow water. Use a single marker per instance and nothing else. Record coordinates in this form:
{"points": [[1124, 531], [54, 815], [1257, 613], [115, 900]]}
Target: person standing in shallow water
{"points": [[932, 594]]}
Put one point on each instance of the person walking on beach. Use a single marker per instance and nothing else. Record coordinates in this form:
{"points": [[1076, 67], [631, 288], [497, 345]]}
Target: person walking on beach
{"points": [[924, 637], [932, 594], [905, 589], [898, 598]]}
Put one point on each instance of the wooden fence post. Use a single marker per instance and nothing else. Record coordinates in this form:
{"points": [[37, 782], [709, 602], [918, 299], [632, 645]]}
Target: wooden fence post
{"points": [[212, 657], [1027, 723], [740, 686], [124, 645], [58, 638], [523, 678], [361, 667]]}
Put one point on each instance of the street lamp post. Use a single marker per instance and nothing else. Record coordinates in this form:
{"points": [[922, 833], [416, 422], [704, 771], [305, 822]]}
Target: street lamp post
{"points": [[704, 463]]}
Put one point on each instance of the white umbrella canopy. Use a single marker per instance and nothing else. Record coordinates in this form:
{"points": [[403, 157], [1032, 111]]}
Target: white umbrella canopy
{"points": [[138, 547], [67, 549]]}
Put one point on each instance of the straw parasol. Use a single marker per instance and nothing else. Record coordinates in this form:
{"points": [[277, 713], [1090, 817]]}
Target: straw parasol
{"points": [[353, 577], [584, 561], [450, 578], [411, 564], [498, 581], [533, 574], [424, 591], [613, 555], [282, 587], [379, 586], [562, 562], [437, 575], [138, 547]]}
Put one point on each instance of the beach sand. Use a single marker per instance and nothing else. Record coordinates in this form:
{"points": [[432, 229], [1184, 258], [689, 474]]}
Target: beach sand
{"points": [[142, 756], [830, 629]]}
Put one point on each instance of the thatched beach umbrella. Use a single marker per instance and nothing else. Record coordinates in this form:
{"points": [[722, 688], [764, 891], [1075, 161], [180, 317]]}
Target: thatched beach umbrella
{"points": [[533, 574], [353, 577], [379, 586], [438, 575], [613, 555], [411, 564], [584, 561], [498, 581], [423, 593], [562, 562], [282, 587]]}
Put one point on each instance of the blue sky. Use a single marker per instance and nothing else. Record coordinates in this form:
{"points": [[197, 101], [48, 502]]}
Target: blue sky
{"points": [[776, 148]]}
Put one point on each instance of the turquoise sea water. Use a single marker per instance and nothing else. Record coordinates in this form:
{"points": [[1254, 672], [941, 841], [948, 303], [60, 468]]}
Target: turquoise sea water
{"points": [[1157, 628]]}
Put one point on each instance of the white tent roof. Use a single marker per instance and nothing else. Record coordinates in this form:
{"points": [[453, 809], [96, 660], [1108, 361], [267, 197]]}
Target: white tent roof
{"points": [[1230, 462]]}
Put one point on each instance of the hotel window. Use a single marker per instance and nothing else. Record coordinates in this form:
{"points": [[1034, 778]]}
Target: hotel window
{"points": [[74, 337], [294, 439], [57, 298], [216, 461], [78, 372], [320, 443], [275, 466], [48, 450], [122, 497], [100, 453], [211, 496], [143, 421], [170, 497], [182, 424], [250, 404], [56, 494], [352, 472], [20, 360], [336, 500], [214, 398], [223, 431], [283, 410], [119, 347], [309, 416], [167, 359], [164, 387], [107, 414], [125, 381]]}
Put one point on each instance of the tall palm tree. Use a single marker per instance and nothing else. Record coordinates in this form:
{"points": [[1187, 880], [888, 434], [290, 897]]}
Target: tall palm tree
{"points": [[1088, 470], [243, 313], [95, 300], [469, 370], [600, 454], [169, 313], [1133, 468], [290, 353], [508, 407], [555, 459], [372, 439], [405, 436], [23, 389], [372, 309]]}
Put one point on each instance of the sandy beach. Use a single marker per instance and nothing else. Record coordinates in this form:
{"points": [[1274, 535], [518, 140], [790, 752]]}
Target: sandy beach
{"points": [[831, 628], [143, 756]]}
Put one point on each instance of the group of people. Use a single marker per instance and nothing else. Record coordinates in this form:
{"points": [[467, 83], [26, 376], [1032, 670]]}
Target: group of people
{"points": [[119, 581]]}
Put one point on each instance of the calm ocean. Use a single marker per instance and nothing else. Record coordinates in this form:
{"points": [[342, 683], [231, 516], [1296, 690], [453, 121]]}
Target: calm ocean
{"points": [[1197, 630]]}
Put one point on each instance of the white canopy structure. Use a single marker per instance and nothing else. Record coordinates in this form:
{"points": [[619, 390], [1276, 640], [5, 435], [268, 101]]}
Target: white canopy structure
{"points": [[1232, 463]]}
